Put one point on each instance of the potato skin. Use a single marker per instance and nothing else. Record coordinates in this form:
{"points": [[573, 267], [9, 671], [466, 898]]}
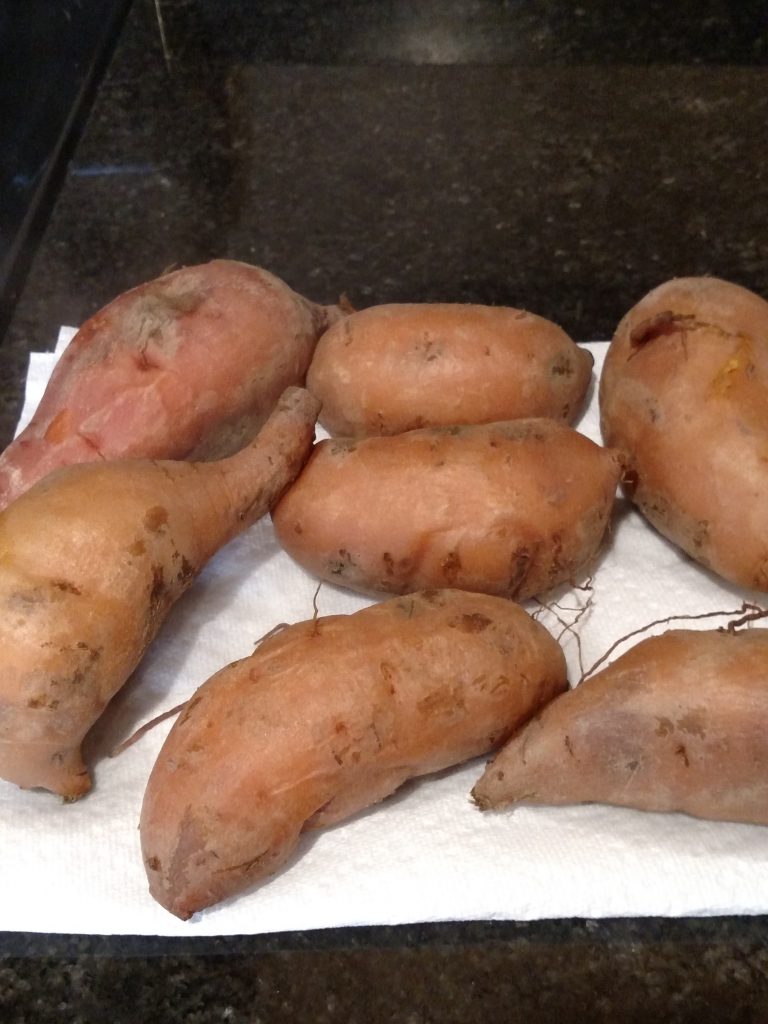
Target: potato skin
{"points": [[511, 509], [678, 723], [187, 366], [91, 560], [327, 717], [684, 394], [392, 368]]}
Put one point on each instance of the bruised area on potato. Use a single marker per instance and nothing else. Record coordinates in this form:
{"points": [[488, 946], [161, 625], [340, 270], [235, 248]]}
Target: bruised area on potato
{"points": [[326, 718]]}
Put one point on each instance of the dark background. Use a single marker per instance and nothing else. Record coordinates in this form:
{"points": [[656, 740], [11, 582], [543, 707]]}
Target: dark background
{"points": [[563, 157]]}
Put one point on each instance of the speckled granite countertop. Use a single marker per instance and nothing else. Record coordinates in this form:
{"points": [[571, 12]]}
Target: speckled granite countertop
{"points": [[561, 157]]}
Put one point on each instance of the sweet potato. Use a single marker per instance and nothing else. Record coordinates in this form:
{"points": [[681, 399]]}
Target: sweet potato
{"points": [[684, 393], [392, 368], [679, 723], [91, 560], [327, 717], [186, 366], [511, 509]]}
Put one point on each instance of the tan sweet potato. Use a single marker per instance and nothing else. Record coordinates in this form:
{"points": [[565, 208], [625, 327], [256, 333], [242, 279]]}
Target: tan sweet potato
{"points": [[679, 723], [187, 366], [511, 509], [392, 368], [91, 560], [684, 393], [328, 717]]}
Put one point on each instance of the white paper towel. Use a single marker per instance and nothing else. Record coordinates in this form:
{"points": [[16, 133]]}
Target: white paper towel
{"points": [[426, 854]]}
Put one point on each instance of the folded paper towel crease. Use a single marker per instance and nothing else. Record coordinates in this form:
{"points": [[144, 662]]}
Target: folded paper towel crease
{"points": [[426, 854]]}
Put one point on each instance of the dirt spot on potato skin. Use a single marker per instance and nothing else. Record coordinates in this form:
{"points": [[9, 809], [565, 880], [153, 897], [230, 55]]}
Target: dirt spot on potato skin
{"points": [[137, 548]]}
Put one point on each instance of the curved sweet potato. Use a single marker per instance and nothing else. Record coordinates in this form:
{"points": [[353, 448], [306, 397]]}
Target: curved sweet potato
{"points": [[684, 393], [511, 509], [678, 723], [92, 559], [326, 718], [392, 368], [185, 366]]}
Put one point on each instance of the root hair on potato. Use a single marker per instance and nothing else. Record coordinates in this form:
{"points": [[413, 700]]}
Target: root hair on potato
{"points": [[747, 613], [146, 727], [556, 607]]}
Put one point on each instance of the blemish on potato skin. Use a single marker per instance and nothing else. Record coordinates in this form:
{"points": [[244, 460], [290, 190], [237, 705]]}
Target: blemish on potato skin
{"points": [[562, 368], [156, 518], [451, 566], [137, 548], [66, 586], [342, 446], [680, 751], [693, 723], [568, 745], [186, 573], [471, 623], [520, 563], [338, 566], [659, 326], [665, 727]]}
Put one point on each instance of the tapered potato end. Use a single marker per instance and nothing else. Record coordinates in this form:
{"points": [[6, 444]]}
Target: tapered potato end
{"points": [[45, 766]]}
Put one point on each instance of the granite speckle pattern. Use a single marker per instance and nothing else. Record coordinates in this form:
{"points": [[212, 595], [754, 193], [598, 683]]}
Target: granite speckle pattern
{"points": [[562, 157]]}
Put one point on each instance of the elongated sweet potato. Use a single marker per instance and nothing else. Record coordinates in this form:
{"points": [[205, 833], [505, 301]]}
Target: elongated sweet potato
{"points": [[679, 723], [91, 560], [186, 366], [392, 368], [511, 509], [684, 393], [326, 718]]}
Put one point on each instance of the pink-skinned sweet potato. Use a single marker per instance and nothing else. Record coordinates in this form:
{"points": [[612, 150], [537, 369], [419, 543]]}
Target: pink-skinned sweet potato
{"points": [[91, 560], [328, 717], [186, 366], [678, 723]]}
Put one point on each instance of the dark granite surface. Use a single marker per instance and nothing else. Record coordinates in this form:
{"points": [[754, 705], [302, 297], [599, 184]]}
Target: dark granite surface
{"points": [[557, 156], [52, 55]]}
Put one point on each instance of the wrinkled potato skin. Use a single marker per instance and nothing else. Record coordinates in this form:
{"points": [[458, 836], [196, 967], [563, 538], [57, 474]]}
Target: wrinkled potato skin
{"points": [[392, 368], [684, 394], [327, 717], [678, 723], [511, 509]]}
